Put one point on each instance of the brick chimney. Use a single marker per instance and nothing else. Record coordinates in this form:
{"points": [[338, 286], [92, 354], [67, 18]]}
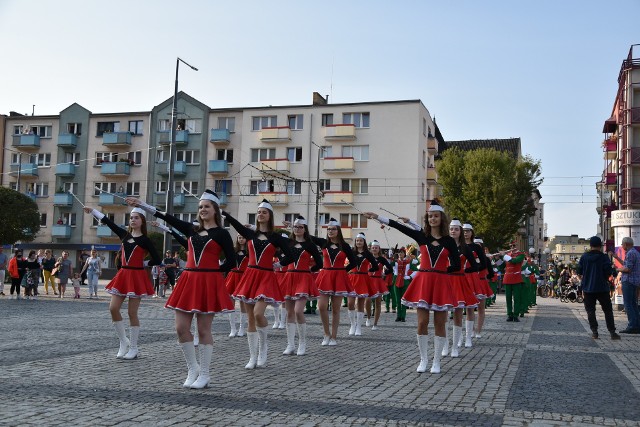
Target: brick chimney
{"points": [[318, 99]]}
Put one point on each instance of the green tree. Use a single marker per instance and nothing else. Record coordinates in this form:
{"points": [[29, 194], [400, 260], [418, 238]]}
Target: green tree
{"points": [[19, 217], [490, 189], [158, 242]]}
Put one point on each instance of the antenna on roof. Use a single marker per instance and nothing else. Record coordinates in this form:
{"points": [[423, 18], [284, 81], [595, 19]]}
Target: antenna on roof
{"points": [[331, 84]]}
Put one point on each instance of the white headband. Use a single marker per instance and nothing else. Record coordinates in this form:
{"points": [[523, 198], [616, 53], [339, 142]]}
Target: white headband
{"points": [[467, 227], [455, 222], [265, 204], [208, 195], [360, 236], [139, 211]]}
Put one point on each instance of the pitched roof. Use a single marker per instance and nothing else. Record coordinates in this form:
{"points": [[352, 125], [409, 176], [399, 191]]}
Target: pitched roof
{"points": [[510, 145]]}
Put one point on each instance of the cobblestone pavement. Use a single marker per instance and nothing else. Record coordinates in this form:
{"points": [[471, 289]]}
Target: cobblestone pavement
{"points": [[58, 368]]}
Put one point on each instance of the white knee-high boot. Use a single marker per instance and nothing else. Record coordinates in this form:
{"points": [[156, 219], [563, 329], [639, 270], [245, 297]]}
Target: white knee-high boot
{"points": [[252, 338], [232, 324], [206, 350], [438, 343], [276, 316], [302, 339], [124, 341], [469, 333], [291, 339], [359, 319], [133, 343], [423, 347], [455, 347], [263, 347], [189, 351], [242, 329], [445, 349], [283, 318], [196, 336], [352, 320]]}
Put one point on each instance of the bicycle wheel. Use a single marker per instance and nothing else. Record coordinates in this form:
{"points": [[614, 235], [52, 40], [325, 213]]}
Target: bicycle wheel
{"points": [[545, 290], [580, 299]]}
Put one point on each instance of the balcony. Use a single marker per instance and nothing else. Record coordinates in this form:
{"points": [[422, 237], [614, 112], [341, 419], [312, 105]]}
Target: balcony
{"points": [[338, 165], [61, 231], [275, 165], [26, 170], [611, 181], [107, 199], [338, 133], [179, 169], [116, 139], [64, 200], [432, 175], [432, 144], [276, 198], [26, 141], [218, 167], [276, 134], [179, 199], [337, 198], [611, 149], [115, 168], [220, 136], [182, 138], [224, 199], [104, 231], [66, 169], [67, 140]]}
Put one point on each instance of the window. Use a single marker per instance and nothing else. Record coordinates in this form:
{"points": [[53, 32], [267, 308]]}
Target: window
{"points": [[325, 184], [70, 187], [222, 186], [190, 157], [260, 186], [95, 222], [424, 127], [251, 218], [188, 217], [100, 187], [40, 189], [422, 193], [191, 125], [295, 121], [14, 186], [133, 188], [294, 187], [259, 154], [136, 156], [106, 157], [259, 122], [325, 152], [291, 217], [353, 220], [161, 186], [135, 127], [424, 158], [73, 158], [162, 156], [17, 129], [294, 154], [356, 186], [164, 125], [327, 119], [228, 123], [75, 128], [107, 127], [324, 218], [43, 220], [16, 158], [69, 218], [190, 186], [360, 120], [43, 159], [573, 248], [359, 153], [224, 154], [42, 131]]}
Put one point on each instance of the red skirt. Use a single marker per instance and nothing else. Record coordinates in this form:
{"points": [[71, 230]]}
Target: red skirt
{"points": [[334, 282], [299, 284], [463, 292], [232, 281], [362, 285], [431, 291], [280, 278], [131, 283], [258, 284], [481, 287], [200, 292], [380, 285]]}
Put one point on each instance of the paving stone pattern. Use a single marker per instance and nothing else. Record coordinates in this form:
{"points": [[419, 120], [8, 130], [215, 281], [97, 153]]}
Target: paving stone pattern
{"points": [[58, 368]]}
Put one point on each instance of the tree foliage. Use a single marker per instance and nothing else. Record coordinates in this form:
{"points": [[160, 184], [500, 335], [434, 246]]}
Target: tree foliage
{"points": [[489, 189], [19, 217]]}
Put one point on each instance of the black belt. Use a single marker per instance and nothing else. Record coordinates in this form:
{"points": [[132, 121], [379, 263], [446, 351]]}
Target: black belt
{"points": [[298, 271], [433, 271], [126, 267], [455, 274], [357, 272], [334, 268], [203, 270], [257, 267], [237, 271]]}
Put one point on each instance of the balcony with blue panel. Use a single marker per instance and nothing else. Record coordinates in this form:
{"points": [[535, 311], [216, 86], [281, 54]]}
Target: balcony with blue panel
{"points": [[218, 167], [26, 141], [220, 136], [223, 199], [67, 140], [114, 139], [179, 199], [107, 199], [182, 137], [61, 231], [63, 200], [115, 168], [104, 231], [179, 169], [66, 169], [26, 170]]}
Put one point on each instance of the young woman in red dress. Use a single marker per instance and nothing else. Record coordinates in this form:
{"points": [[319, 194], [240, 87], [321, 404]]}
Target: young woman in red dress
{"points": [[384, 267], [231, 283], [483, 290], [362, 284], [131, 280]]}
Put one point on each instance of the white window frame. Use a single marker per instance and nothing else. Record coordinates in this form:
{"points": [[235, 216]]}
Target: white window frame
{"points": [[44, 131], [106, 156], [110, 187], [223, 189], [133, 189], [70, 187], [164, 125], [72, 158], [294, 187], [355, 221], [295, 121], [325, 184], [138, 126], [43, 160], [225, 154], [326, 151], [359, 120], [96, 222], [193, 125], [228, 123], [70, 217], [327, 119], [260, 122], [294, 154], [99, 133], [352, 181], [187, 216], [323, 218], [191, 186], [290, 217], [160, 187], [188, 156], [360, 153], [41, 189], [17, 129], [251, 218], [260, 154], [74, 128]]}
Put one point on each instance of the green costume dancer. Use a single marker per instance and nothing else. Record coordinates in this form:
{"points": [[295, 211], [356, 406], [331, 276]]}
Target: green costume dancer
{"points": [[390, 299], [512, 281]]}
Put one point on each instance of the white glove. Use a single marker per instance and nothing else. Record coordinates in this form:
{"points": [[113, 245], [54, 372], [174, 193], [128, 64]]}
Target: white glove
{"points": [[383, 219], [151, 209], [526, 271], [506, 257], [97, 214], [407, 277]]}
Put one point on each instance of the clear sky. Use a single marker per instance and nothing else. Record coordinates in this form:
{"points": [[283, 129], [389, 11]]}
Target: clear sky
{"points": [[545, 71]]}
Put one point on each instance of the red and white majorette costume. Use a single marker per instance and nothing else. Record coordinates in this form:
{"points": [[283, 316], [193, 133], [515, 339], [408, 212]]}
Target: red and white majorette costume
{"points": [[131, 280], [463, 289], [201, 287], [359, 277], [259, 280], [333, 279], [234, 276], [299, 282], [431, 287], [480, 282], [376, 277], [280, 273]]}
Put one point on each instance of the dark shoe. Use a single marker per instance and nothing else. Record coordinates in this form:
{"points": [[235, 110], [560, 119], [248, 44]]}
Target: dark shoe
{"points": [[521, 314], [402, 320], [515, 319], [397, 319], [594, 335], [510, 319], [307, 312], [615, 336], [393, 311], [630, 331], [387, 310], [344, 305]]}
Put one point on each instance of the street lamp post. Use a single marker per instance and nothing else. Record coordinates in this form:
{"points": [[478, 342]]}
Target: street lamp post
{"points": [[172, 149], [318, 195]]}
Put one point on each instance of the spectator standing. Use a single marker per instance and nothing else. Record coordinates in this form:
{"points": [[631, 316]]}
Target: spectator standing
{"points": [[594, 269], [76, 285], [4, 262], [32, 276], [92, 270], [82, 259], [48, 263], [17, 269], [170, 265], [630, 283], [65, 272]]}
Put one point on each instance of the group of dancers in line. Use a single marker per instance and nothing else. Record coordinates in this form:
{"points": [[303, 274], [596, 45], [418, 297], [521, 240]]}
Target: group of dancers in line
{"points": [[451, 276]]}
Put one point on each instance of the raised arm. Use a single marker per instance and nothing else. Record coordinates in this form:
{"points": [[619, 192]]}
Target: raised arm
{"points": [[416, 235], [179, 237]]}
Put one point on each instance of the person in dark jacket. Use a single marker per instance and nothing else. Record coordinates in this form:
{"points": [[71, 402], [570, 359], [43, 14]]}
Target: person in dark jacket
{"points": [[594, 269]]}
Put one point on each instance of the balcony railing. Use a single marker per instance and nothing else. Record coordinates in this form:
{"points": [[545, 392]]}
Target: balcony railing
{"points": [[337, 197], [276, 134], [432, 143], [432, 175], [179, 169], [340, 132], [611, 149], [106, 199], [115, 168], [26, 141], [218, 167], [179, 199], [338, 165], [273, 165], [26, 170], [66, 169], [61, 231], [182, 137], [276, 198], [67, 140], [63, 200], [220, 136], [113, 139]]}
